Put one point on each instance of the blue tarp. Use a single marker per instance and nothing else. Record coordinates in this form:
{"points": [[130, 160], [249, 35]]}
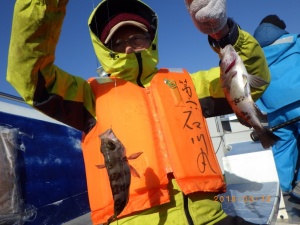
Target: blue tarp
{"points": [[50, 169]]}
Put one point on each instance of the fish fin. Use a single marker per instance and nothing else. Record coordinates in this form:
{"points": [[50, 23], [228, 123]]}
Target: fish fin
{"points": [[227, 79], [263, 118], [246, 85], [101, 166], [256, 81], [133, 171], [245, 78], [134, 155], [267, 138]]}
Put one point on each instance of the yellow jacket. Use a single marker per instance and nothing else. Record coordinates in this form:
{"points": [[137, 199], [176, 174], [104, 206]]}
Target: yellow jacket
{"points": [[31, 69]]}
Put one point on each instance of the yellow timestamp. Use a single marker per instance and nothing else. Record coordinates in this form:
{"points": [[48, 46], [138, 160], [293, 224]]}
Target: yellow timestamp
{"points": [[245, 198]]}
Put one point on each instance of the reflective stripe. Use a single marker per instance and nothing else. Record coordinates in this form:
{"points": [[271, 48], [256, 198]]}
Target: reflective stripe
{"points": [[175, 70], [285, 40]]}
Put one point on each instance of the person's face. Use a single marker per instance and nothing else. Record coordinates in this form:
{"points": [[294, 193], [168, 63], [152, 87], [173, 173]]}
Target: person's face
{"points": [[129, 39]]}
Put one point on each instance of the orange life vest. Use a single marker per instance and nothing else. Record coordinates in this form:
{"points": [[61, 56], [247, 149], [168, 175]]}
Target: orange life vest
{"points": [[165, 122]]}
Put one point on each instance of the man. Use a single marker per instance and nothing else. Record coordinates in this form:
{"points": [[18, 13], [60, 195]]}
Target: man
{"points": [[281, 99], [150, 110]]}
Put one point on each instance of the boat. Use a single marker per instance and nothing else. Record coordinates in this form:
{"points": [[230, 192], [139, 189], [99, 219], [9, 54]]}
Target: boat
{"points": [[42, 168], [43, 179]]}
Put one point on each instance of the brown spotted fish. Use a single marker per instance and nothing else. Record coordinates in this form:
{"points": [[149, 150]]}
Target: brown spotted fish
{"points": [[236, 84], [118, 169]]}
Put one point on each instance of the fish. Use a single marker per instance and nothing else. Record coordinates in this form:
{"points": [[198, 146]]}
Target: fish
{"points": [[236, 82], [118, 169]]}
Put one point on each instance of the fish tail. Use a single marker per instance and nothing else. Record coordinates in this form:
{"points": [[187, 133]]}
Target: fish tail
{"points": [[267, 138], [262, 117]]}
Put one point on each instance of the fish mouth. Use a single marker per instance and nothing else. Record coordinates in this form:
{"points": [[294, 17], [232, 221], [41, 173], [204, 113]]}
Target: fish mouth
{"points": [[109, 134], [227, 58]]}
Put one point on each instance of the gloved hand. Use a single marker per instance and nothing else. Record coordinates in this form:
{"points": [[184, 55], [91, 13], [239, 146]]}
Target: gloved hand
{"points": [[209, 16]]}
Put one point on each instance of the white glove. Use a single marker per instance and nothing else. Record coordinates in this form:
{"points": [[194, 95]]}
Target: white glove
{"points": [[209, 16]]}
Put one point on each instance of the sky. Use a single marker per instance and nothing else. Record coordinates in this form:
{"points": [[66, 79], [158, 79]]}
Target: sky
{"points": [[180, 44]]}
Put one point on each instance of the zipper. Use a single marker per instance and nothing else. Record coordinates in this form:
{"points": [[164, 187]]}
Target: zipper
{"points": [[186, 210], [140, 64], [138, 81]]}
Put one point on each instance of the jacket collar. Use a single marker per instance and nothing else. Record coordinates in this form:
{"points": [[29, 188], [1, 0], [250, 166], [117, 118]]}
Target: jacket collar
{"points": [[137, 68]]}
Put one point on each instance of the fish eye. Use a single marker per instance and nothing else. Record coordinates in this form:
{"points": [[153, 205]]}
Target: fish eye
{"points": [[111, 145]]}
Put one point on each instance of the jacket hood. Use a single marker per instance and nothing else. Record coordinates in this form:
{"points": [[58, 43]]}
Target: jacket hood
{"points": [[267, 33], [138, 68]]}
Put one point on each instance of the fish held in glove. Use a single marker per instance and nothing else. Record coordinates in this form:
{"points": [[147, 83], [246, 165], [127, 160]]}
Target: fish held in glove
{"points": [[236, 83]]}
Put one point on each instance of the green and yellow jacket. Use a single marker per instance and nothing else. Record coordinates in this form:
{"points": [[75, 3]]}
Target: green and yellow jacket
{"points": [[69, 99]]}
